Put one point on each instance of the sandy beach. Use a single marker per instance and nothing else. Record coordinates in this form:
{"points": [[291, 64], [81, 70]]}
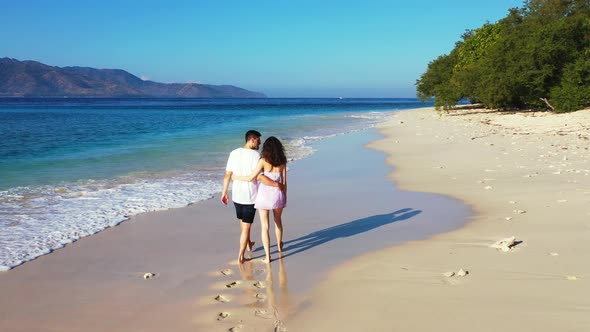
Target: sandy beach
{"points": [[527, 177], [372, 238], [341, 205]]}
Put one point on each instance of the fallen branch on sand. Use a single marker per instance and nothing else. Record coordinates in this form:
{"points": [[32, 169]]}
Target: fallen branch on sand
{"points": [[547, 103]]}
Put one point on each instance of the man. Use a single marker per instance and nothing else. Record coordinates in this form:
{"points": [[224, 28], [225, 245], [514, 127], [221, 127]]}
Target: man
{"points": [[242, 161]]}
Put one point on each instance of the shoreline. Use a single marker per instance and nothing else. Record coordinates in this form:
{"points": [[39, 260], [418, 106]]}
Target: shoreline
{"points": [[170, 175], [97, 284], [525, 175]]}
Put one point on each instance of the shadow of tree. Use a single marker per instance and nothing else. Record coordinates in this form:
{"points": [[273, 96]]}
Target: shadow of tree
{"points": [[348, 229]]}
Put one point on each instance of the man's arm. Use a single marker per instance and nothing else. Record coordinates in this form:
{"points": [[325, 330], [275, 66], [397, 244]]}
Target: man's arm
{"points": [[226, 179], [269, 182], [252, 176]]}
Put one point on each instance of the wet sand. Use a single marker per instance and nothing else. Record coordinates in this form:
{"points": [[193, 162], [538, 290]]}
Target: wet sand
{"points": [[341, 204]]}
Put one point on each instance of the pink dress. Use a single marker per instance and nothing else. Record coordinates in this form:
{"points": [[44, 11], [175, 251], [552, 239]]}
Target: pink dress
{"points": [[269, 197]]}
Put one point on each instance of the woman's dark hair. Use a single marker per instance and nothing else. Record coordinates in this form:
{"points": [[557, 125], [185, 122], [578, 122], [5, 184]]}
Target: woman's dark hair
{"points": [[273, 151]]}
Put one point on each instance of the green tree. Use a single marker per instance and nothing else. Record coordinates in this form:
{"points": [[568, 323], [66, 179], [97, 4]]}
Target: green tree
{"points": [[573, 91], [435, 82], [537, 56]]}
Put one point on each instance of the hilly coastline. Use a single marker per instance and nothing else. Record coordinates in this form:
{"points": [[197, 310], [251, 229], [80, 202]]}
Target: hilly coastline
{"points": [[35, 79]]}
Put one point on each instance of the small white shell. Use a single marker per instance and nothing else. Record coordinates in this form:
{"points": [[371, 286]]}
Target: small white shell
{"points": [[504, 244], [462, 273]]}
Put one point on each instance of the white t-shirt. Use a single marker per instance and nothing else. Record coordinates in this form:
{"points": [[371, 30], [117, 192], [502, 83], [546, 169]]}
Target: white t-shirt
{"points": [[243, 161]]}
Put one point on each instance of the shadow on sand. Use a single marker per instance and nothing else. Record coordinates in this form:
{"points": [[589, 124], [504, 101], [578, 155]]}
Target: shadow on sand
{"points": [[348, 229]]}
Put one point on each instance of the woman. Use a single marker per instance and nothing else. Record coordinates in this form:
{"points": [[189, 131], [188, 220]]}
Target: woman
{"points": [[273, 165]]}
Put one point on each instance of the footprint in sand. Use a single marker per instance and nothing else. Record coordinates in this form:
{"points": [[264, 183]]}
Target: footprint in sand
{"points": [[221, 298], [222, 315], [263, 313], [236, 328], [226, 272], [258, 272], [260, 284], [260, 296], [280, 327], [233, 284]]}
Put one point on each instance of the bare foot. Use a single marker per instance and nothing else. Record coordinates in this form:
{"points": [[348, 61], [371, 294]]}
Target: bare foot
{"points": [[266, 259], [241, 259]]}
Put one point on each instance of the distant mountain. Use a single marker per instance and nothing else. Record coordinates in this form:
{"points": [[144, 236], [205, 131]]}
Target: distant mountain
{"points": [[34, 79]]}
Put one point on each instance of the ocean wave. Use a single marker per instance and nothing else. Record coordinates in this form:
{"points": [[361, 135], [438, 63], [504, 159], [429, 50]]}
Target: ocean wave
{"points": [[368, 115], [38, 220], [35, 221]]}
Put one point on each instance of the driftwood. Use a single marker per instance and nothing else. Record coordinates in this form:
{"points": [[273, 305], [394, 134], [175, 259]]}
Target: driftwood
{"points": [[547, 103]]}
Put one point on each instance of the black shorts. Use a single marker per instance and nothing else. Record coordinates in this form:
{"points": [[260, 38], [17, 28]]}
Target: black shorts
{"points": [[245, 212]]}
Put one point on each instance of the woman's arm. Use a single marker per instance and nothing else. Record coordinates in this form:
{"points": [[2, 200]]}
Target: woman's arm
{"points": [[252, 175], [267, 181]]}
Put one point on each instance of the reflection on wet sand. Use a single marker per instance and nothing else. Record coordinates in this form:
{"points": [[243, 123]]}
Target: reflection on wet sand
{"points": [[280, 302], [256, 299]]}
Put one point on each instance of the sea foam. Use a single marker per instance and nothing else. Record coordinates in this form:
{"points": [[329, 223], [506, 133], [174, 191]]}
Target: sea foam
{"points": [[38, 220]]}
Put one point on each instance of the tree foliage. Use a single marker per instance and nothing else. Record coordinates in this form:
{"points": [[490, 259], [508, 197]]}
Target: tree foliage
{"points": [[538, 55]]}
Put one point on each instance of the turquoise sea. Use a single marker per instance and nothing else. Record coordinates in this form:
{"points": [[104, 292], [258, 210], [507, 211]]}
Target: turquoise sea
{"points": [[72, 167]]}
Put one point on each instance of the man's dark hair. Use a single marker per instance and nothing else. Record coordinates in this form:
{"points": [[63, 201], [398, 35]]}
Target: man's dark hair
{"points": [[252, 134]]}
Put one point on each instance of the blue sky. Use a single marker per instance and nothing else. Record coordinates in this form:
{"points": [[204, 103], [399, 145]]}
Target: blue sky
{"points": [[281, 48]]}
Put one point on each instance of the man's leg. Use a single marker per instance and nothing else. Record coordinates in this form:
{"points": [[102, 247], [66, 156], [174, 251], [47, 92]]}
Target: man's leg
{"points": [[244, 239], [245, 214]]}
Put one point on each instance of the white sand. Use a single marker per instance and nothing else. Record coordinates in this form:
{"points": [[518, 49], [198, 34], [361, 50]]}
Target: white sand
{"points": [[526, 175]]}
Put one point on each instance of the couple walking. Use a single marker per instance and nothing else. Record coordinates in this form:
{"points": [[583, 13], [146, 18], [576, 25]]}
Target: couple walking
{"points": [[259, 183]]}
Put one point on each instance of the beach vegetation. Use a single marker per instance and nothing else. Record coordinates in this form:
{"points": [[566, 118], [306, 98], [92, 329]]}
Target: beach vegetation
{"points": [[537, 57]]}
